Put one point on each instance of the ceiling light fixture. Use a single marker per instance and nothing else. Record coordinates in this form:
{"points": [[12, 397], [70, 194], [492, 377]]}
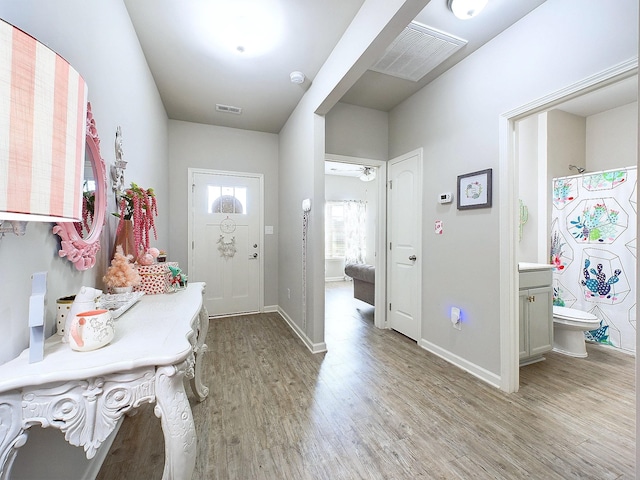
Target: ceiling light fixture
{"points": [[249, 28], [465, 9], [297, 77], [368, 174]]}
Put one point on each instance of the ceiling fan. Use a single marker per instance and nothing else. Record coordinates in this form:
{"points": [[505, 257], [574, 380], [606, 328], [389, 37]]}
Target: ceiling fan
{"points": [[364, 173], [368, 174]]}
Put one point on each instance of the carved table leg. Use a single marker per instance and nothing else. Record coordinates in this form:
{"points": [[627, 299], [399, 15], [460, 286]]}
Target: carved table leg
{"points": [[200, 390], [12, 436], [173, 409]]}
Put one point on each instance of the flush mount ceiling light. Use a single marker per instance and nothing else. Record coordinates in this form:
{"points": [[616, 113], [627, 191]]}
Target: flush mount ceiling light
{"points": [[248, 28], [465, 9]]}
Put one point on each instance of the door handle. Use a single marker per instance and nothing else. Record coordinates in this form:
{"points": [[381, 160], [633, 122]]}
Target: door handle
{"points": [[251, 257], [413, 258]]}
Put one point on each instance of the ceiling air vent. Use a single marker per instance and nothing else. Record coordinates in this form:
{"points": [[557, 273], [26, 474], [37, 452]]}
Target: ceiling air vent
{"points": [[417, 50], [228, 109]]}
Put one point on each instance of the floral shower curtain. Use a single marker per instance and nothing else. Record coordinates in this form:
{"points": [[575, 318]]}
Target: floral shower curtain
{"points": [[593, 249]]}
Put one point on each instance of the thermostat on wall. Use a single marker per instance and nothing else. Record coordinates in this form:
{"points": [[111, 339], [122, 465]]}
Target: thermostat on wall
{"points": [[444, 198]]}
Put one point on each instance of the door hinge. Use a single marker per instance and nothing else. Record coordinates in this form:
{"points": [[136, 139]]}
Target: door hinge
{"points": [[390, 184], [389, 306], [193, 244], [193, 187], [390, 245]]}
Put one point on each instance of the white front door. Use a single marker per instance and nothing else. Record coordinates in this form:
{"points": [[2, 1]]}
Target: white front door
{"points": [[227, 241], [405, 241]]}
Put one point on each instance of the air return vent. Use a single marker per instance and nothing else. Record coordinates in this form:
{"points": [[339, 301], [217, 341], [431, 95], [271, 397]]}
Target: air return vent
{"points": [[417, 50], [228, 109]]}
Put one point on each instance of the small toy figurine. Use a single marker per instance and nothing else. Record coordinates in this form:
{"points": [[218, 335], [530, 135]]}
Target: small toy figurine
{"points": [[178, 279]]}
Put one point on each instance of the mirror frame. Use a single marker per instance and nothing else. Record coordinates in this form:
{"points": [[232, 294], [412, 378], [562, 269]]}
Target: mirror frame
{"points": [[81, 251]]}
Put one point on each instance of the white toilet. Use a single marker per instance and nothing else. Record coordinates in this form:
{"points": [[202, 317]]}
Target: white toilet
{"points": [[569, 326]]}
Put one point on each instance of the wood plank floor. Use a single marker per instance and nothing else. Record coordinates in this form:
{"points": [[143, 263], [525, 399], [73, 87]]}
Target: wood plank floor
{"points": [[377, 406]]}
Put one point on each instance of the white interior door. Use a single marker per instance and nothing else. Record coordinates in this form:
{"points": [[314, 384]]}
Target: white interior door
{"points": [[404, 236], [227, 241]]}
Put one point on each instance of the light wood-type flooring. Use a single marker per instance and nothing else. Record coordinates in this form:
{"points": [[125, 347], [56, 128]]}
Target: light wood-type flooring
{"points": [[376, 406]]}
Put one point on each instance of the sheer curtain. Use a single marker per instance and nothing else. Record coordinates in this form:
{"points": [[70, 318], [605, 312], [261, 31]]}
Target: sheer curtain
{"points": [[355, 227], [345, 230]]}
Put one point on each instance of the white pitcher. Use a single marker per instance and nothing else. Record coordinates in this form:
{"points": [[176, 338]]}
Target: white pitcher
{"points": [[91, 330], [86, 299]]}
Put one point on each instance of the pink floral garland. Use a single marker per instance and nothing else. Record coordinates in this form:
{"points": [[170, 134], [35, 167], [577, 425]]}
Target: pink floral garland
{"points": [[87, 216], [140, 206]]}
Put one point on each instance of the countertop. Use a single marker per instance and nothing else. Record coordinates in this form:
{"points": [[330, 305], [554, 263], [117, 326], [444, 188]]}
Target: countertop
{"points": [[528, 267]]}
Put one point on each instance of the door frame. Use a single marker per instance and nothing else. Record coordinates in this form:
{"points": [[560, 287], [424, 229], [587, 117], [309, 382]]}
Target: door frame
{"points": [[190, 221], [419, 245], [508, 181], [380, 292]]}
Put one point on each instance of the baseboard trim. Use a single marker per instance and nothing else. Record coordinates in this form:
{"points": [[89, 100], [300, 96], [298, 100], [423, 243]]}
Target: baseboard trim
{"points": [[270, 308], [335, 279], [313, 347], [475, 370]]}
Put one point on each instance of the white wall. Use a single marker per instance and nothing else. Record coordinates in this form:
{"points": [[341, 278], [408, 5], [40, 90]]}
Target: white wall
{"points": [[527, 133], [612, 138], [302, 153], [357, 132], [97, 38], [565, 145], [456, 120], [194, 145]]}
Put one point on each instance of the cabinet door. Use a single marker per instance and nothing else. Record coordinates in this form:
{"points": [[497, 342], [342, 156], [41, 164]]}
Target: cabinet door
{"points": [[540, 320], [523, 323]]}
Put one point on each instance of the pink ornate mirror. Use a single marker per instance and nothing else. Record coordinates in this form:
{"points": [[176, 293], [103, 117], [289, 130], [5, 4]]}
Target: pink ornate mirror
{"points": [[80, 241]]}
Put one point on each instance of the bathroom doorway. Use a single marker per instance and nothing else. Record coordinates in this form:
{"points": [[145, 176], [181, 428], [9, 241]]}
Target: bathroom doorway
{"points": [[609, 90]]}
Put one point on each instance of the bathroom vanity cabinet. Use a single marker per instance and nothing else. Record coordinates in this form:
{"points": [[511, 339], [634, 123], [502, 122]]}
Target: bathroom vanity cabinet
{"points": [[535, 311]]}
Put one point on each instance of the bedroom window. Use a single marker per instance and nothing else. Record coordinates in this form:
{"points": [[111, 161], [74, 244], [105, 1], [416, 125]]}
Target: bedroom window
{"points": [[345, 230]]}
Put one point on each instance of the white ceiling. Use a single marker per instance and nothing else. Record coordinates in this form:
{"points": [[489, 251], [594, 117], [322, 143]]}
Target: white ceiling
{"points": [[194, 71]]}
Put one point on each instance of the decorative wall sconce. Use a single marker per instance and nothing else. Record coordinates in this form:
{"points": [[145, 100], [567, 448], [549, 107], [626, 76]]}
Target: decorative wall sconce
{"points": [[42, 132], [117, 170]]}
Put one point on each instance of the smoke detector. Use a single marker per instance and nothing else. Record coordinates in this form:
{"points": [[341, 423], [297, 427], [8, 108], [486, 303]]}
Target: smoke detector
{"points": [[297, 77]]}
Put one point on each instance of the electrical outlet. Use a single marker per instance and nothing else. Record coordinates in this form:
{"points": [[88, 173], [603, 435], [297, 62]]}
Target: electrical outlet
{"points": [[455, 318]]}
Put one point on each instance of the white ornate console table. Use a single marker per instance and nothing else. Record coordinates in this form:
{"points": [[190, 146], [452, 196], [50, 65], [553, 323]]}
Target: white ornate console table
{"points": [[158, 342]]}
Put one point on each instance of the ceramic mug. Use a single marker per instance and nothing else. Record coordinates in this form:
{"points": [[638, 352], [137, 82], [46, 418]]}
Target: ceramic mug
{"points": [[64, 309], [91, 330]]}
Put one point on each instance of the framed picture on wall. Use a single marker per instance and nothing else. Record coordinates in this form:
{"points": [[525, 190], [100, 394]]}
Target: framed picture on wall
{"points": [[474, 190]]}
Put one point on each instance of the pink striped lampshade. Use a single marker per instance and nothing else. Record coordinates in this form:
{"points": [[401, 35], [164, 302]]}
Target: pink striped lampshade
{"points": [[43, 107]]}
